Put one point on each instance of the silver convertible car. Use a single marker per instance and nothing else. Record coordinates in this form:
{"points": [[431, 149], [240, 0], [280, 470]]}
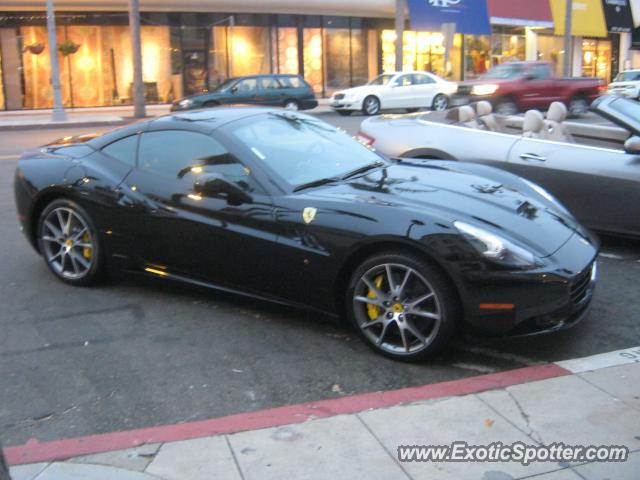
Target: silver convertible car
{"points": [[592, 168]]}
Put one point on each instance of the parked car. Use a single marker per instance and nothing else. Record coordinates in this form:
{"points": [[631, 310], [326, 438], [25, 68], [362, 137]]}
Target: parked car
{"points": [[406, 90], [289, 91], [627, 84], [518, 86], [598, 179], [281, 206]]}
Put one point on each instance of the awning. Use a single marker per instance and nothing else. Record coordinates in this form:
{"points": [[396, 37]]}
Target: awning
{"points": [[587, 18], [522, 13], [470, 16], [618, 15]]}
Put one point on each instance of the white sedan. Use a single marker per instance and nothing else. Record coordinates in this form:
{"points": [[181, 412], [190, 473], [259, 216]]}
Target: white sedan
{"points": [[407, 90], [626, 84]]}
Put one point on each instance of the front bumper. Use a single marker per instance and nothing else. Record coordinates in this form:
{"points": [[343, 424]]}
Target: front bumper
{"points": [[345, 104], [545, 300]]}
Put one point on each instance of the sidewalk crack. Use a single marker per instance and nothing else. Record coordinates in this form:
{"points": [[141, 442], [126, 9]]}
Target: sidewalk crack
{"points": [[235, 459], [393, 457], [525, 416]]}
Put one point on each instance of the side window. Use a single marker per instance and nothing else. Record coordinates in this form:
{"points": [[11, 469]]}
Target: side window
{"points": [[250, 85], [541, 72], [186, 155], [125, 150], [421, 79], [405, 80], [269, 83]]}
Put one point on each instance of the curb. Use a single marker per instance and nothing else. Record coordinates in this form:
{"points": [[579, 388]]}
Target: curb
{"points": [[64, 449], [52, 125]]}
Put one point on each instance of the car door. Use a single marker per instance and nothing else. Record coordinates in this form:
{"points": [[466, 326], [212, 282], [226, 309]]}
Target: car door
{"points": [[539, 87], [423, 90], [271, 91], [246, 91], [196, 235], [398, 94], [598, 185]]}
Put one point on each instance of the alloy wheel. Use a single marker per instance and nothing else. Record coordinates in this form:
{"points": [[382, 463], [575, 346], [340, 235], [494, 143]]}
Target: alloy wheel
{"points": [[440, 103], [371, 106], [68, 245], [397, 309]]}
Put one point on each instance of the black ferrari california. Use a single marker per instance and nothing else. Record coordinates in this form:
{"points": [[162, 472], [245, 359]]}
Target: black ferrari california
{"points": [[281, 206]]}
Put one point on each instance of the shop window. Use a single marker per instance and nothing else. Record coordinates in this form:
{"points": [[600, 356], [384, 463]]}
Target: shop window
{"points": [[596, 58], [218, 62], [421, 51], [286, 50], [360, 57], [477, 59], [312, 55], [337, 59], [249, 51]]}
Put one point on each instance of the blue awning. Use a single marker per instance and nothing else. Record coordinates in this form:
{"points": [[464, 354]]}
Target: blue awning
{"points": [[470, 16]]}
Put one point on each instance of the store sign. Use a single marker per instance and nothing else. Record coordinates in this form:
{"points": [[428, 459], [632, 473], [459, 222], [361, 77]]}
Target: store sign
{"points": [[618, 15], [469, 16]]}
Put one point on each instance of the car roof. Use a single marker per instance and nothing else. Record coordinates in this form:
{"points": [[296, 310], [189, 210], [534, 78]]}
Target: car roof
{"points": [[205, 120]]}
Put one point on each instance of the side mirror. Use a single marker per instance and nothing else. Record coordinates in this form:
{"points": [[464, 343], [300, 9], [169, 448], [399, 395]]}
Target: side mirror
{"points": [[216, 186], [234, 89], [632, 145]]}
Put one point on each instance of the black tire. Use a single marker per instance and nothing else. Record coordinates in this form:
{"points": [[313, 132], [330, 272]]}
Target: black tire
{"points": [[578, 106], [96, 269], [344, 113], [291, 104], [440, 103], [506, 106], [444, 303], [371, 105]]}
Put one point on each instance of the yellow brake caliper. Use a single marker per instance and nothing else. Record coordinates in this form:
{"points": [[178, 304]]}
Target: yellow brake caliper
{"points": [[372, 310], [86, 251]]}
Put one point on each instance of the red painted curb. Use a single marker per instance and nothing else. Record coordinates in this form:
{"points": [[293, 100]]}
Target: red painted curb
{"points": [[73, 447]]}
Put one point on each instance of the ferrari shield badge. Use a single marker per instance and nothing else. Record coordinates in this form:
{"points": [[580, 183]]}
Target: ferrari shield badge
{"points": [[308, 214]]}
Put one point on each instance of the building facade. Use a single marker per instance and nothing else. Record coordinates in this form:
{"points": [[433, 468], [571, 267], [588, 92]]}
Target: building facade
{"points": [[187, 52]]}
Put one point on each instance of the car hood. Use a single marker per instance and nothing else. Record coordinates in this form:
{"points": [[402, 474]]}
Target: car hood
{"points": [[444, 192]]}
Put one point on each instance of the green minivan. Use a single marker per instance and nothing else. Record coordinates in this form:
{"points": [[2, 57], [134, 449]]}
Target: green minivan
{"points": [[288, 91]]}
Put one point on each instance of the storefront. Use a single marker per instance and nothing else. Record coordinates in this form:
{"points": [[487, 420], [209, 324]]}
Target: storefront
{"points": [[183, 53]]}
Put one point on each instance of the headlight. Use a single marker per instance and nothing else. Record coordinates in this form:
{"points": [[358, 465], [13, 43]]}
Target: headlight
{"points": [[496, 248], [488, 89], [185, 103]]}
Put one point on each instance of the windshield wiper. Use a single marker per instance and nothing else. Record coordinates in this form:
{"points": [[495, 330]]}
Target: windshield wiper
{"points": [[295, 120], [360, 170], [316, 183]]}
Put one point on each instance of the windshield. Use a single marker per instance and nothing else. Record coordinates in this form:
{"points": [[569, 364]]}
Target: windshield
{"points": [[302, 149], [627, 77], [381, 79], [508, 70], [225, 85]]}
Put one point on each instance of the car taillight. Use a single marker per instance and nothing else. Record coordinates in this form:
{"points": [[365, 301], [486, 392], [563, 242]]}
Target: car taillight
{"points": [[602, 88], [365, 139]]}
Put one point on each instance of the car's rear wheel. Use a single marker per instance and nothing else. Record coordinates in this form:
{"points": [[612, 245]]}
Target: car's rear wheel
{"points": [[403, 307], [291, 105], [371, 105], [70, 244], [344, 113], [440, 103]]}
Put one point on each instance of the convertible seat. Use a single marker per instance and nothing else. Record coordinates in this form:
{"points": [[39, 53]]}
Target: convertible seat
{"points": [[554, 128], [487, 118], [467, 116], [533, 124]]}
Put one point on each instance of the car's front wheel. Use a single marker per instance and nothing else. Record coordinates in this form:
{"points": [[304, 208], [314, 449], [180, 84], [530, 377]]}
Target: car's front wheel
{"points": [[291, 104], [371, 105], [70, 244], [402, 306]]}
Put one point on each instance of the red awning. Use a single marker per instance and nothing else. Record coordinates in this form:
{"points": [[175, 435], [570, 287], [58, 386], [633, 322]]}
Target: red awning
{"points": [[524, 13]]}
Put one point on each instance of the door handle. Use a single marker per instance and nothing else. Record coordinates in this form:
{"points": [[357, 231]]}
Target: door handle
{"points": [[532, 156]]}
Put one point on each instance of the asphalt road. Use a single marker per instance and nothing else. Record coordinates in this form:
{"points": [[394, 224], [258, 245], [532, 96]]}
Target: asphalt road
{"points": [[137, 352]]}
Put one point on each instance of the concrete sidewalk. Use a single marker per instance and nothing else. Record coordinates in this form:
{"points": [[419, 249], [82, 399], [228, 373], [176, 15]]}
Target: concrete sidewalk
{"points": [[592, 401], [93, 117]]}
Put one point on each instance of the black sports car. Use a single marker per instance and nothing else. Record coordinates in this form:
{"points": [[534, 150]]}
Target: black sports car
{"points": [[282, 206]]}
